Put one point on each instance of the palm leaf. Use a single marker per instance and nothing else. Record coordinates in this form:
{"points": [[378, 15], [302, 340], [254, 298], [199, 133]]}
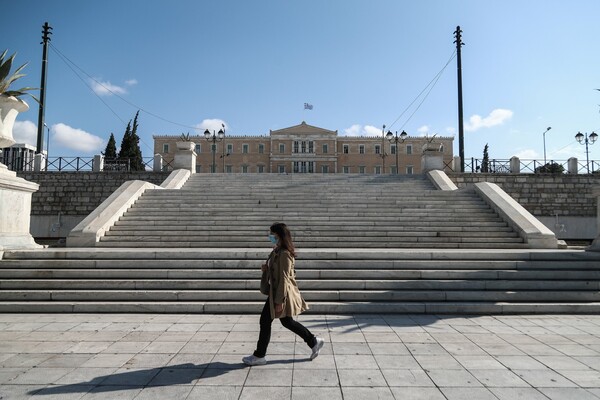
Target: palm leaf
{"points": [[5, 68]]}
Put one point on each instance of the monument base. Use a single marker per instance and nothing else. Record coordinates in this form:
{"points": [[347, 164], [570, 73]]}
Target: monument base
{"points": [[15, 210]]}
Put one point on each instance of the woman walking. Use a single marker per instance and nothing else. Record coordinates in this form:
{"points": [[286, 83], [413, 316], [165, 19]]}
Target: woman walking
{"points": [[284, 301]]}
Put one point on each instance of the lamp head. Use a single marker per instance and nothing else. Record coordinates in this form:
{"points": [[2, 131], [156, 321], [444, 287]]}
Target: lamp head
{"points": [[390, 136], [593, 137], [221, 133], [403, 135], [579, 137], [207, 134]]}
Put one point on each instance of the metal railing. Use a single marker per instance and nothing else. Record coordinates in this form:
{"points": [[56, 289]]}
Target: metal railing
{"points": [[477, 165]]}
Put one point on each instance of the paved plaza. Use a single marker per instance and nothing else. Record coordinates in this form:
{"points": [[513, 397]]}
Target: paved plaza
{"points": [[193, 357]]}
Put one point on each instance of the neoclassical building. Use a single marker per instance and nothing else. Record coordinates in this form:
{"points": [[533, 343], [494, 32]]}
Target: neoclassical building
{"points": [[307, 149]]}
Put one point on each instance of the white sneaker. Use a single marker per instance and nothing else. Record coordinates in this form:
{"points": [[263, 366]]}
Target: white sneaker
{"points": [[317, 348], [253, 360]]}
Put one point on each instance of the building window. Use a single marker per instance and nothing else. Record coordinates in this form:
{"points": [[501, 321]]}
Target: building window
{"points": [[325, 169], [260, 169], [325, 149], [442, 148], [361, 149], [377, 149], [393, 149], [228, 169], [198, 169], [346, 149], [345, 170], [245, 149], [261, 148], [198, 149], [244, 169], [214, 148], [361, 169], [409, 149], [165, 148], [377, 170], [296, 147], [281, 168], [229, 148], [409, 169], [393, 169], [311, 146], [281, 148]]}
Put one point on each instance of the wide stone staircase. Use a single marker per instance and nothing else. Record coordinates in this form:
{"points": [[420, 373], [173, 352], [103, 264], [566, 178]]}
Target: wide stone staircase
{"points": [[323, 211], [366, 244]]}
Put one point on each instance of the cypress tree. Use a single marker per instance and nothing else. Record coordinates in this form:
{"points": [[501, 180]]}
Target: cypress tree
{"points": [[111, 148], [125, 150], [136, 162], [485, 165]]}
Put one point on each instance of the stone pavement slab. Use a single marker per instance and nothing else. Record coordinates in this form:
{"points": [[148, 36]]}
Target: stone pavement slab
{"points": [[198, 357]]}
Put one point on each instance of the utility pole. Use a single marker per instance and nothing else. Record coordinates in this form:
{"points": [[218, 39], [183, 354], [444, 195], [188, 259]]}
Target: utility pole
{"points": [[40, 131], [461, 133]]}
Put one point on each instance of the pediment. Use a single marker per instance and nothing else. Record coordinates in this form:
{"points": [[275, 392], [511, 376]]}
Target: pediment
{"points": [[303, 129]]}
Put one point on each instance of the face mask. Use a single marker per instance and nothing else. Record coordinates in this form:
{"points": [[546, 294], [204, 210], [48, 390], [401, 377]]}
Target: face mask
{"points": [[272, 238]]}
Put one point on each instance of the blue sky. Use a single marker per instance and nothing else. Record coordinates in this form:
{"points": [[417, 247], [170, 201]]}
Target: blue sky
{"points": [[527, 65]]}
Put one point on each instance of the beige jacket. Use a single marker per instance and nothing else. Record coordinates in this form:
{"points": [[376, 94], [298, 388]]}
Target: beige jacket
{"points": [[283, 288]]}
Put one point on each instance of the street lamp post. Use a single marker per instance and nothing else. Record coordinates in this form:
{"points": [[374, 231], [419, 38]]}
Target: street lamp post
{"points": [[214, 138], [383, 149], [395, 139], [547, 129], [591, 139]]}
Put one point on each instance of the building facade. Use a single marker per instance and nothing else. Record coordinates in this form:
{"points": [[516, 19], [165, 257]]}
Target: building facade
{"points": [[307, 149]]}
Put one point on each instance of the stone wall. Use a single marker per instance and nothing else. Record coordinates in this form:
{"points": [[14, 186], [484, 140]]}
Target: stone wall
{"points": [[79, 193], [543, 194]]}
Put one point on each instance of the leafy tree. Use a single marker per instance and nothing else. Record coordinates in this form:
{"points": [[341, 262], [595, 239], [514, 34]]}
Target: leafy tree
{"points": [[111, 147], [130, 146], [550, 168], [485, 165]]}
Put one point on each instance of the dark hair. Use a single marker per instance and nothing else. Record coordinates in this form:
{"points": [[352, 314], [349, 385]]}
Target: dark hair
{"points": [[285, 237]]}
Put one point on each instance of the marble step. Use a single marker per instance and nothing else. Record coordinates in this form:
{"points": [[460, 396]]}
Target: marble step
{"points": [[220, 307], [309, 295], [305, 284], [304, 262], [353, 254]]}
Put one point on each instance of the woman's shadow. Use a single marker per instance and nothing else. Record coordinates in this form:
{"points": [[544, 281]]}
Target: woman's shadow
{"points": [[180, 374]]}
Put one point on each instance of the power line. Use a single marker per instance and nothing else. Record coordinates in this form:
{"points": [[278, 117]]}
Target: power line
{"points": [[72, 64], [430, 85]]}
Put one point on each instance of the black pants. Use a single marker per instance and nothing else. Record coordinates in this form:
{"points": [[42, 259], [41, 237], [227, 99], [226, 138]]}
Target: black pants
{"points": [[265, 331]]}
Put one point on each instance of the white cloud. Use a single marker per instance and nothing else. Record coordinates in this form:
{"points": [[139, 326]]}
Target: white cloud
{"points": [[25, 132], [496, 117], [76, 139], [451, 130], [106, 88], [359, 130], [131, 82], [212, 125]]}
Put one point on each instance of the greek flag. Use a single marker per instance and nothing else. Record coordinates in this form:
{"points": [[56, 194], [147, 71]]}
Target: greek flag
{"points": [[308, 106]]}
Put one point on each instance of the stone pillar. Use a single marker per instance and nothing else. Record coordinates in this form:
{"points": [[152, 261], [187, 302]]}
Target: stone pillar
{"points": [[573, 165], [596, 243], [98, 164], [515, 165], [456, 164], [431, 159], [15, 198], [185, 157], [39, 162], [158, 163]]}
